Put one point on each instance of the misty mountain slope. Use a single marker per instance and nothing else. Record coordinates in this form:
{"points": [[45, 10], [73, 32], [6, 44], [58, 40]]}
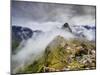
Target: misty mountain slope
{"points": [[63, 55], [31, 53], [84, 31], [20, 34], [48, 37]]}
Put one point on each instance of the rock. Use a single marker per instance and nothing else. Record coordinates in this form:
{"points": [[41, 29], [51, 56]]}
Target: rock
{"points": [[66, 27], [63, 55], [21, 33]]}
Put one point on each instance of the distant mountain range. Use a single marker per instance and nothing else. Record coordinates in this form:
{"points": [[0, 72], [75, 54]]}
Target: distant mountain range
{"points": [[23, 33], [20, 33], [77, 53]]}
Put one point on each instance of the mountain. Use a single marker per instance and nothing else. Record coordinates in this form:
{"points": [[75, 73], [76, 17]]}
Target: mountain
{"points": [[84, 31], [81, 31], [21, 33], [67, 27], [63, 55], [59, 53], [89, 27]]}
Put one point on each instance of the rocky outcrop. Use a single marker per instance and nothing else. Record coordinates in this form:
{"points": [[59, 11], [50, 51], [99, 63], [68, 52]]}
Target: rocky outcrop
{"points": [[67, 27], [64, 55], [18, 34]]}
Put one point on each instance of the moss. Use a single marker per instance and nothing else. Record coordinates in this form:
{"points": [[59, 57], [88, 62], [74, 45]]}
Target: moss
{"points": [[36, 66], [61, 53], [75, 65], [55, 57]]}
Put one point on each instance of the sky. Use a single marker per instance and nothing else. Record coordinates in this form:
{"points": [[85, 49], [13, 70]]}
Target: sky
{"points": [[46, 17], [28, 13]]}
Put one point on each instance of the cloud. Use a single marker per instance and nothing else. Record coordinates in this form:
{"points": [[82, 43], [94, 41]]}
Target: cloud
{"points": [[23, 12], [34, 48], [47, 17]]}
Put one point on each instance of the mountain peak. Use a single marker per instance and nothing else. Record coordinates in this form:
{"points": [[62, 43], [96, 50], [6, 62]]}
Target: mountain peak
{"points": [[67, 27]]}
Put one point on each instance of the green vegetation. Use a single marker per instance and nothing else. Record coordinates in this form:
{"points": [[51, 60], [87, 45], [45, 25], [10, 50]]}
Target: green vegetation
{"points": [[62, 55], [15, 44]]}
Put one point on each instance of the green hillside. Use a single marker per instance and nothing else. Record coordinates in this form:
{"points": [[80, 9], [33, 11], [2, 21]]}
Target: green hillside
{"points": [[63, 55]]}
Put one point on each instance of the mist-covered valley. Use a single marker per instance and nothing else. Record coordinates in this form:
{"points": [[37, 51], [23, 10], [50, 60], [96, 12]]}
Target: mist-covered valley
{"points": [[49, 37], [33, 47]]}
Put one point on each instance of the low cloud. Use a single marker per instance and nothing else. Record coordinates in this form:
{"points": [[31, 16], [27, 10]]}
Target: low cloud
{"points": [[23, 12]]}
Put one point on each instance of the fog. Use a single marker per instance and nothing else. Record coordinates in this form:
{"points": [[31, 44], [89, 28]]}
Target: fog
{"points": [[48, 18], [32, 49], [26, 12]]}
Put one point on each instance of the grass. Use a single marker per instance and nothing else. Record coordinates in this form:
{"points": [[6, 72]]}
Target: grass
{"points": [[58, 56]]}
